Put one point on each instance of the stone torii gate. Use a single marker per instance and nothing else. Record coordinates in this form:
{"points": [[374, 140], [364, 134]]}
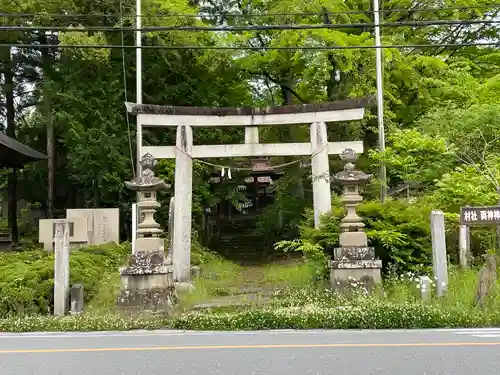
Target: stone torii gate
{"points": [[186, 118]]}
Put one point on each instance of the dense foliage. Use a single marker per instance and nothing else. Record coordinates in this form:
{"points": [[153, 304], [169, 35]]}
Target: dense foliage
{"points": [[27, 278], [398, 230]]}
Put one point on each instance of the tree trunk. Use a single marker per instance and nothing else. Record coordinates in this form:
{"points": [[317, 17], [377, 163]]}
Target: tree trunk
{"points": [[47, 108], [12, 205], [11, 132], [97, 194]]}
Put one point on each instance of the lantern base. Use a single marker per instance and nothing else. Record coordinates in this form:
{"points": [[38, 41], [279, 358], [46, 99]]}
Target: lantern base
{"points": [[355, 268], [345, 280], [147, 288]]}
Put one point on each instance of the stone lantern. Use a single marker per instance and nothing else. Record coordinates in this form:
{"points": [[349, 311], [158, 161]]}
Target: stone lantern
{"points": [[354, 262], [147, 279]]}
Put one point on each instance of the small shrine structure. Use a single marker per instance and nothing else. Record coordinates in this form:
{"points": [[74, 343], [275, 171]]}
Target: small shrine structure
{"points": [[14, 155]]}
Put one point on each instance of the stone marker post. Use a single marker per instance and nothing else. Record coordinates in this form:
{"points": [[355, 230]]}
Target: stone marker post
{"points": [[354, 261], [464, 246], [425, 288], [486, 280], [76, 299], [61, 267], [439, 260], [170, 233], [134, 227]]}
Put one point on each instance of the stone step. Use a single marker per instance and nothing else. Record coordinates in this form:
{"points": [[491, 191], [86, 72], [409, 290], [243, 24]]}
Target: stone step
{"points": [[242, 248], [234, 301], [241, 240], [241, 230]]}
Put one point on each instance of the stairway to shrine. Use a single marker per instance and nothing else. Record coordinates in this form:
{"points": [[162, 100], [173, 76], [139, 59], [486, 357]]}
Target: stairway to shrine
{"points": [[236, 240]]}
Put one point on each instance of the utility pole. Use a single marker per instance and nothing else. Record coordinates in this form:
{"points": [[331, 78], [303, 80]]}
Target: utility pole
{"points": [[136, 216], [138, 80], [380, 100]]}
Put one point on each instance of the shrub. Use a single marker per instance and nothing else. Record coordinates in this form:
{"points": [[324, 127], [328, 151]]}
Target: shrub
{"points": [[27, 278], [309, 309], [85, 323], [371, 314], [362, 314], [399, 231]]}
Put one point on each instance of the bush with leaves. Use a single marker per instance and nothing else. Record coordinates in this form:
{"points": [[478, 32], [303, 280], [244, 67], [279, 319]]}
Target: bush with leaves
{"points": [[399, 231], [414, 157], [369, 314], [27, 278]]}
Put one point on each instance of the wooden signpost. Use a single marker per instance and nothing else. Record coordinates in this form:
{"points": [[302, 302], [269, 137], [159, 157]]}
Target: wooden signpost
{"points": [[482, 215]]}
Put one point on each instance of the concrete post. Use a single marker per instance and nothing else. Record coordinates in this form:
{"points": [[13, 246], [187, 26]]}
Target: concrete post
{"points": [[464, 246], [425, 288], [170, 233], [322, 198], [183, 190], [61, 267], [134, 228], [76, 299], [439, 260]]}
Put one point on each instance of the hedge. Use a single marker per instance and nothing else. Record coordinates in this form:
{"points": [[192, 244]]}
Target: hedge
{"points": [[368, 314], [27, 278]]}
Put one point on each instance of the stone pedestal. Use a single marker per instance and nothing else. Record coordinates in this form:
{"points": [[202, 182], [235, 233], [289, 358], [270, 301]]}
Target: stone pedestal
{"points": [[353, 265], [147, 281]]}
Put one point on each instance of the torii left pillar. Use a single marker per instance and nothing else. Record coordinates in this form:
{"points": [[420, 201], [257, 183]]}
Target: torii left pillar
{"points": [[322, 196]]}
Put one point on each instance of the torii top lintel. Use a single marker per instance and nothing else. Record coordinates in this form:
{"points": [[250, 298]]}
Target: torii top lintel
{"points": [[167, 115]]}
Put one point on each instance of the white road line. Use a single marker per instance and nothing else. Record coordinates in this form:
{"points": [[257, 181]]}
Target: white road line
{"points": [[472, 329], [478, 332], [487, 336], [11, 335]]}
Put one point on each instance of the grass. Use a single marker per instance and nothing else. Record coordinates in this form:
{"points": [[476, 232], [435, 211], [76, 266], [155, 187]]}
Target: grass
{"points": [[217, 276], [105, 300], [462, 286], [289, 275], [222, 282]]}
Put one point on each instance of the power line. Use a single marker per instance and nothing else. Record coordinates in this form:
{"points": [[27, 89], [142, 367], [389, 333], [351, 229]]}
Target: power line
{"points": [[294, 48], [125, 95], [239, 15], [248, 27]]}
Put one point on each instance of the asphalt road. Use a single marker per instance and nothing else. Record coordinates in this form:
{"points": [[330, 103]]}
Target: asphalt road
{"points": [[396, 352]]}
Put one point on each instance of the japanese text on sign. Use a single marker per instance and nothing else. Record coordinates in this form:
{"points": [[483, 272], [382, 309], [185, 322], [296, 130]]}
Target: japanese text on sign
{"points": [[479, 215]]}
